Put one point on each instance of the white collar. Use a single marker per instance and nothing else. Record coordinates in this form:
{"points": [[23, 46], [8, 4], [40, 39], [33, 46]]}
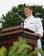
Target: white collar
{"points": [[30, 16]]}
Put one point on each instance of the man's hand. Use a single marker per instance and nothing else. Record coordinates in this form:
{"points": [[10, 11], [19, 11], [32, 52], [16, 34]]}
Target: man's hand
{"points": [[39, 34]]}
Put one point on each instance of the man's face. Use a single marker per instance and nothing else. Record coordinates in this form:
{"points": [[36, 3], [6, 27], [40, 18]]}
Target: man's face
{"points": [[27, 12]]}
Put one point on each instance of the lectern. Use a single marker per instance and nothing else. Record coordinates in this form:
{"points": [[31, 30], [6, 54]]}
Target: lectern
{"points": [[9, 35]]}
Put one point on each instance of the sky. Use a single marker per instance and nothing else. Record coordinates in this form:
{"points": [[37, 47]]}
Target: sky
{"points": [[6, 5]]}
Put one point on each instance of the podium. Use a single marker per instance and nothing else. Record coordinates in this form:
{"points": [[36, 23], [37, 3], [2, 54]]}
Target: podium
{"points": [[9, 35]]}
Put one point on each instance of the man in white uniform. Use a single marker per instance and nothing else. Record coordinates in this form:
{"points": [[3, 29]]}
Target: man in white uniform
{"points": [[33, 24]]}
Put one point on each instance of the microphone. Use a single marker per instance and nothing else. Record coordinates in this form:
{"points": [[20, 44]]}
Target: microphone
{"points": [[17, 13], [22, 23], [19, 16]]}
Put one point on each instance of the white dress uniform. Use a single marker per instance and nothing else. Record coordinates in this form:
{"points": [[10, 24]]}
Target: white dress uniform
{"points": [[35, 25]]}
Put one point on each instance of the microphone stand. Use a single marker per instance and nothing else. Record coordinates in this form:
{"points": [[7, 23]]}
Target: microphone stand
{"points": [[22, 25]]}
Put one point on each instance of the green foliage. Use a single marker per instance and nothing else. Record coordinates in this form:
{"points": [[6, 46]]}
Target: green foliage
{"points": [[19, 48], [2, 51], [11, 19]]}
